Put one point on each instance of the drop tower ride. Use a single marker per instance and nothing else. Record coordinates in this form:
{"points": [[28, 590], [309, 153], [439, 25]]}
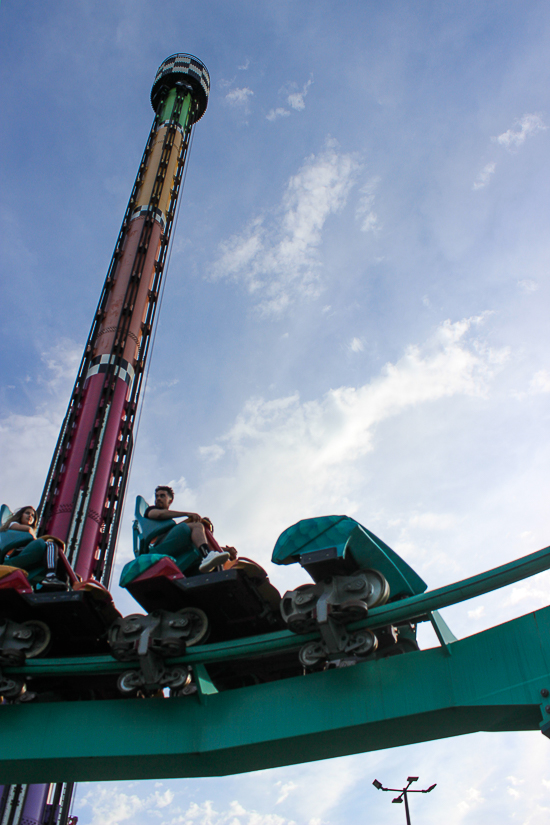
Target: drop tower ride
{"points": [[84, 491]]}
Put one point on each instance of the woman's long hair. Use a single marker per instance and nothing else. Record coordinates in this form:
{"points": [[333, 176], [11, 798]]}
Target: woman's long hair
{"points": [[17, 518]]}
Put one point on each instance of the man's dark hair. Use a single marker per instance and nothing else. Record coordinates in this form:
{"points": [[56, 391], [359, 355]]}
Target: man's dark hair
{"points": [[166, 490]]}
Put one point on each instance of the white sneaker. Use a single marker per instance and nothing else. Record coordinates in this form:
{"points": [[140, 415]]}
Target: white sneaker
{"points": [[213, 559]]}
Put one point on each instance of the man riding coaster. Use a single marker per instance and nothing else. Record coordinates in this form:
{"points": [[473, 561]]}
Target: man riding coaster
{"points": [[192, 531]]}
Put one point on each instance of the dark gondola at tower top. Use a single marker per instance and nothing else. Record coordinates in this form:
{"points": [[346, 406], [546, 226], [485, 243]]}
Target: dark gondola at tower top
{"points": [[184, 68]]}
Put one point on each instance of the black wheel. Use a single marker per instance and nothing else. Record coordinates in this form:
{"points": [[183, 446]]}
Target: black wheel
{"points": [[42, 637], [129, 682], [198, 624], [301, 625], [379, 590], [311, 654], [12, 658], [362, 643], [10, 688], [352, 610], [178, 678]]}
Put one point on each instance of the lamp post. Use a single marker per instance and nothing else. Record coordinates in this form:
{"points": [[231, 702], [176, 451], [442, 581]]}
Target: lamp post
{"points": [[402, 793]]}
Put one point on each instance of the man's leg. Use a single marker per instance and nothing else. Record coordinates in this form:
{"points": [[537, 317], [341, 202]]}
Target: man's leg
{"points": [[186, 542], [178, 544], [211, 558]]}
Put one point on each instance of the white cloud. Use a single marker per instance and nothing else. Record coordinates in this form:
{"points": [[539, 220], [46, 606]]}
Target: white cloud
{"points": [[356, 345], [540, 382], [296, 99], [205, 813], [27, 441], [213, 452], [433, 521], [472, 799], [364, 212], [484, 176], [276, 257], [111, 806], [537, 594], [315, 449], [527, 125], [162, 800], [477, 613], [244, 66], [273, 114], [527, 285], [286, 789], [239, 97]]}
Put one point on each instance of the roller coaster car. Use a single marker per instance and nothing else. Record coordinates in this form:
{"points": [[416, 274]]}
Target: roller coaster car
{"points": [[183, 610], [62, 623], [237, 600], [353, 571]]}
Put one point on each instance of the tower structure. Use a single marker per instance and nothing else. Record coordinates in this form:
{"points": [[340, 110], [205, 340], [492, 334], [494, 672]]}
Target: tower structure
{"points": [[82, 498], [84, 491]]}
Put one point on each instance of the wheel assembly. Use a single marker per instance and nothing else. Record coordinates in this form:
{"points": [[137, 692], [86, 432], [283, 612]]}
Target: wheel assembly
{"points": [[379, 589], [41, 638], [197, 624], [129, 682], [311, 654]]}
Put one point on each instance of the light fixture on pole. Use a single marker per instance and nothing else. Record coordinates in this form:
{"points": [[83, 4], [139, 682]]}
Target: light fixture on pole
{"points": [[402, 793]]}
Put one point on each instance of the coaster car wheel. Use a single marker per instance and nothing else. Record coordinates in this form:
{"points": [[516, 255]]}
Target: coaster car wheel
{"points": [[198, 624], [352, 610], [311, 654], [10, 688], [362, 643], [177, 678], [42, 637], [12, 658], [301, 625], [129, 682], [379, 591]]}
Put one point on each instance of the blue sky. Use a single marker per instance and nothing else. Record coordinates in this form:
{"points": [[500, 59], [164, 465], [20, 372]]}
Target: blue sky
{"points": [[355, 317]]}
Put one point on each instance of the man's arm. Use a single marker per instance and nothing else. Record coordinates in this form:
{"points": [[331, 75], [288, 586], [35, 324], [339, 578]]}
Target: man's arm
{"points": [[162, 515]]}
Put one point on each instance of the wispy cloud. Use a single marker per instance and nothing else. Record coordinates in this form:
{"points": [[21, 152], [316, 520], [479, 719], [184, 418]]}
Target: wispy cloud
{"points": [[27, 441], [364, 212], [485, 175], [513, 138], [528, 285], [285, 789], [244, 66], [315, 449], [294, 98], [540, 383], [273, 114], [275, 257], [239, 97]]}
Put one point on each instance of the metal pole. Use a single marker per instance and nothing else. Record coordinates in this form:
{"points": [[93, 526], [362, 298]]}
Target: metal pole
{"points": [[407, 814], [403, 793]]}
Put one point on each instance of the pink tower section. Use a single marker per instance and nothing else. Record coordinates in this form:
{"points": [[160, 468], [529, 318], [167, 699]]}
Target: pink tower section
{"points": [[105, 368]]}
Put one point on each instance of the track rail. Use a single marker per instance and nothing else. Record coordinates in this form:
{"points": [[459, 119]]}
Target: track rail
{"points": [[415, 608]]}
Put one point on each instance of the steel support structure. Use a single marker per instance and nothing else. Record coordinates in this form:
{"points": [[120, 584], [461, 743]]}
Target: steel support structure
{"points": [[84, 491], [496, 680]]}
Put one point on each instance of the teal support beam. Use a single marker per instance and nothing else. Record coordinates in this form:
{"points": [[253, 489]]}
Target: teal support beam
{"points": [[442, 630], [492, 682]]}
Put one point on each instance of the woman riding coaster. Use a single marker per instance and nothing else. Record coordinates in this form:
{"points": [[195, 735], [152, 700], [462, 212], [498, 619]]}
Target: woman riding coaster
{"points": [[38, 557]]}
